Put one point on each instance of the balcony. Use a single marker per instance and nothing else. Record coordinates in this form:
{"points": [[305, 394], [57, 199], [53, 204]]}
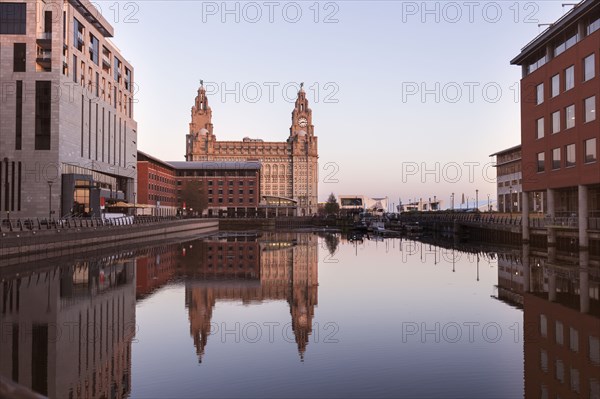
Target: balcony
{"points": [[106, 62], [80, 41], [44, 40], [44, 58]]}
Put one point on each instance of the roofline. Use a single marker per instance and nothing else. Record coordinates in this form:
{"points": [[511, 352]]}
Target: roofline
{"points": [[557, 27], [94, 16], [507, 150], [168, 165], [189, 165], [507, 162]]}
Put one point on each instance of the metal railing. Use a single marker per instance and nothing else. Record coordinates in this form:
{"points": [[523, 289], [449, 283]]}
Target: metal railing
{"points": [[571, 221], [37, 224]]}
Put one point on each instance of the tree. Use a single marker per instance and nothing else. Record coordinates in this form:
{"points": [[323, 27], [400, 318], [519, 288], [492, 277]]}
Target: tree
{"points": [[332, 207], [332, 241], [194, 197]]}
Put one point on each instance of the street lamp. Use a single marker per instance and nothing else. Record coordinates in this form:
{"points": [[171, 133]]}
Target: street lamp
{"points": [[50, 199], [489, 208], [477, 199], [452, 196]]}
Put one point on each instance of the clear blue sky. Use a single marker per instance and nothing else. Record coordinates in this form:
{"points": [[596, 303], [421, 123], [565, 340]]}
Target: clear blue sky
{"points": [[370, 64]]}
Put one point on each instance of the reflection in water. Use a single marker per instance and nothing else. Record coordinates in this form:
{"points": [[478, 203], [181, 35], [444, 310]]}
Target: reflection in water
{"points": [[560, 300], [67, 330], [275, 266]]}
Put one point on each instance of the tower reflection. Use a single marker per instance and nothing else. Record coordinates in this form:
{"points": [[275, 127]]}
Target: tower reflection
{"points": [[252, 269]]}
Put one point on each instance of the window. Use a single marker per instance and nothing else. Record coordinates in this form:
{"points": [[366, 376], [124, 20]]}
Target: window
{"points": [[589, 70], [574, 374], [570, 116], [539, 61], [540, 128], [570, 155], [543, 326], [94, 49], [573, 339], [558, 329], [78, 34], [117, 71], [594, 349], [590, 150], [593, 26], [13, 18], [569, 40], [74, 68], [569, 77], [555, 85], [556, 158], [560, 370], [43, 103], [19, 116], [556, 122], [540, 94], [540, 162], [128, 80], [19, 52], [544, 361], [590, 109]]}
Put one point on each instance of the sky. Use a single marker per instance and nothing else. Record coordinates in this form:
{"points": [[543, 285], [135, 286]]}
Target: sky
{"points": [[409, 99]]}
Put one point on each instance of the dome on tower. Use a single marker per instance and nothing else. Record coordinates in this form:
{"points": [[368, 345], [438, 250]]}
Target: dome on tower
{"points": [[301, 133], [203, 132]]}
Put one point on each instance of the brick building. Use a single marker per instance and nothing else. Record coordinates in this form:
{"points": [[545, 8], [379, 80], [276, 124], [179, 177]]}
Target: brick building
{"points": [[231, 188], [559, 129], [157, 186]]}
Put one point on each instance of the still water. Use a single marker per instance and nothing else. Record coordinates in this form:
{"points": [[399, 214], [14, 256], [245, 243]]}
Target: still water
{"points": [[294, 314]]}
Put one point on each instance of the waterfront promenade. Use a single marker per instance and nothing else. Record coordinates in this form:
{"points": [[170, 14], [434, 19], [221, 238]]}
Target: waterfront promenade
{"points": [[77, 236]]}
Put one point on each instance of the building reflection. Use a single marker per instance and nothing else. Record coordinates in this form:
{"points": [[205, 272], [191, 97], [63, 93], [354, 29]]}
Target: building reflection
{"points": [[560, 296], [155, 268], [252, 269], [67, 330]]}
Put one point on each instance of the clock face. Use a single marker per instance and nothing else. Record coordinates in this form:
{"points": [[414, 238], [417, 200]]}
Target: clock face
{"points": [[302, 122]]}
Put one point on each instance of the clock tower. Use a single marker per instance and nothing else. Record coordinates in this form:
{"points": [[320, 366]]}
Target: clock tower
{"points": [[289, 168], [305, 166], [200, 136]]}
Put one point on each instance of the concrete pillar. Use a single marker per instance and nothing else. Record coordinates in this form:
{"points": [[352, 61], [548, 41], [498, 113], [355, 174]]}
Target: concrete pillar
{"points": [[551, 274], [552, 286], [584, 282], [583, 218], [525, 216], [551, 212], [526, 269]]}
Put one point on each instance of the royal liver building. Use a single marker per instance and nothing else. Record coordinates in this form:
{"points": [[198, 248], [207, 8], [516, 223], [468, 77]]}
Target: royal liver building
{"points": [[289, 168]]}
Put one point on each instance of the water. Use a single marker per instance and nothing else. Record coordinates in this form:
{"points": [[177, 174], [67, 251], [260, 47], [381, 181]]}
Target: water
{"points": [[303, 315]]}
